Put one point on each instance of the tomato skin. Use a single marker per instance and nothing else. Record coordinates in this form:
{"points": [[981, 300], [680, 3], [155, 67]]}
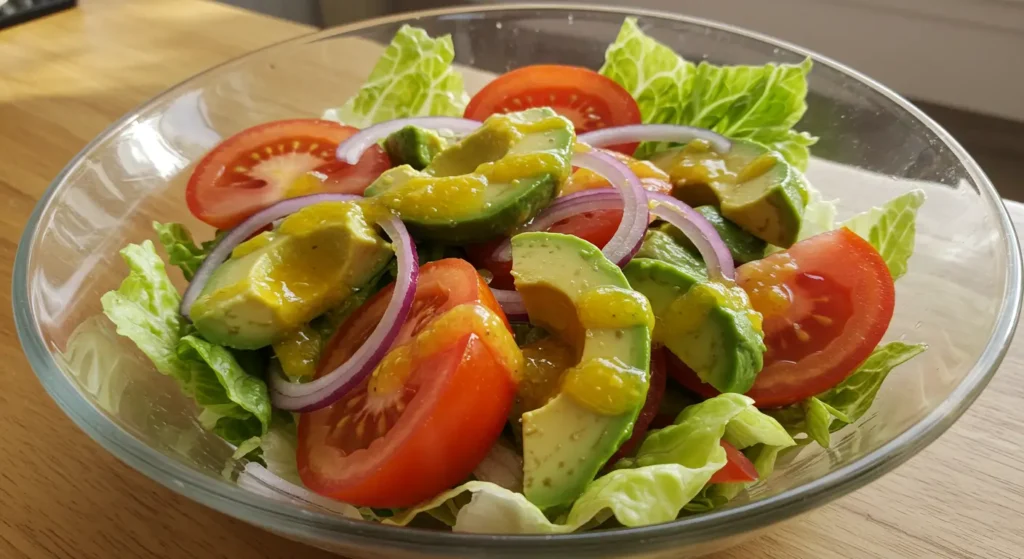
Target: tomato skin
{"points": [[840, 302], [455, 403], [267, 163], [737, 469], [434, 454], [591, 101], [655, 391]]}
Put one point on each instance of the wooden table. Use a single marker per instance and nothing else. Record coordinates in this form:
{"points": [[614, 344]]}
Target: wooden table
{"points": [[63, 79]]}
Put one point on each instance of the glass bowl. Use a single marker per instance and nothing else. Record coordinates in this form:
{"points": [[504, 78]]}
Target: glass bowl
{"points": [[961, 296]]}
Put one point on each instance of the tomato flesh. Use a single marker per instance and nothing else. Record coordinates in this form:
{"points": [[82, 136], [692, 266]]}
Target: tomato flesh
{"points": [[738, 468], [417, 426], [591, 101], [265, 164], [826, 301]]}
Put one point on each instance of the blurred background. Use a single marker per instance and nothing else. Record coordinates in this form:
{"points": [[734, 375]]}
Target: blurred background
{"points": [[962, 61]]}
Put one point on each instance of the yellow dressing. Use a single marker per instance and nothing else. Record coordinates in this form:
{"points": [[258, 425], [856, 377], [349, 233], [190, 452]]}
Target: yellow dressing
{"points": [[252, 245], [765, 283], [613, 307], [544, 361], [440, 197], [605, 386], [688, 312], [393, 371], [299, 352], [306, 183]]}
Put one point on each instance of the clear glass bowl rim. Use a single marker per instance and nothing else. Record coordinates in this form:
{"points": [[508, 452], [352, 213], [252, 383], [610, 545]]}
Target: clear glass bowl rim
{"points": [[304, 524]]}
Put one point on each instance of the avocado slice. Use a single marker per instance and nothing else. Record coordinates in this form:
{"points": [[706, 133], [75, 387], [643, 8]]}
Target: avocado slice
{"points": [[751, 185], [576, 294], [414, 146], [278, 281], [493, 180], [743, 246], [708, 325]]}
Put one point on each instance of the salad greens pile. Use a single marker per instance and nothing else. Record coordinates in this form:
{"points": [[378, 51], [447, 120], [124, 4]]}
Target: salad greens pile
{"points": [[670, 472]]}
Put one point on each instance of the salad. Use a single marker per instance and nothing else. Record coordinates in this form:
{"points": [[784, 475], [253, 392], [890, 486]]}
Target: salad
{"points": [[575, 300]]}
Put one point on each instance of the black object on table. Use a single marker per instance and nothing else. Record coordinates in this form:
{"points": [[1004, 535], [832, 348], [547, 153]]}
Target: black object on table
{"points": [[13, 12]]}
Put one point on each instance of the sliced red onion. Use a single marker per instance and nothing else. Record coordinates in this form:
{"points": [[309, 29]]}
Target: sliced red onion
{"points": [[352, 148], [243, 231], [699, 230], [262, 481], [574, 204], [512, 304], [654, 133], [630, 233], [327, 389]]}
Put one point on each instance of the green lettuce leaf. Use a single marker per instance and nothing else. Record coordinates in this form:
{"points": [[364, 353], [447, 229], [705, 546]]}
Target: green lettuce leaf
{"points": [[658, 79], [181, 249], [672, 467], [144, 309], [758, 103], [891, 229], [414, 77], [819, 416]]}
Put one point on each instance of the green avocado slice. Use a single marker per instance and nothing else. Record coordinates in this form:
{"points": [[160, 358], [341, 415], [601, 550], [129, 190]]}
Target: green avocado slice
{"points": [[493, 180], [566, 442]]}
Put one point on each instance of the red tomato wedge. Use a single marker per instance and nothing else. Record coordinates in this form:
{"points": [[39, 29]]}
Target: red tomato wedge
{"points": [[590, 100], [643, 421], [827, 302], [265, 164], [424, 419], [596, 227], [738, 468]]}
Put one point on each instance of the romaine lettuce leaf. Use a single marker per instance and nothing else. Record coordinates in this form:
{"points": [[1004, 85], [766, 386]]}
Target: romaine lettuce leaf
{"points": [[891, 229], [830, 411], [758, 103], [670, 469], [657, 78], [414, 77], [181, 249], [144, 308]]}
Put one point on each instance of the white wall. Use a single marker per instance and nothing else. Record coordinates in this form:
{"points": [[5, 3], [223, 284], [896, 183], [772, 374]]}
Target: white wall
{"points": [[963, 53]]}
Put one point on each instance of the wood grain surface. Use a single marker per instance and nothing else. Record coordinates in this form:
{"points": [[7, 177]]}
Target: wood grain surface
{"points": [[64, 78]]}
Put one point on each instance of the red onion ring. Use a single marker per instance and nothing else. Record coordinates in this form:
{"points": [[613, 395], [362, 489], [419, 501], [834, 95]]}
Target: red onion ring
{"points": [[654, 133], [696, 228], [243, 231], [352, 148], [574, 204], [327, 389], [512, 304], [630, 233]]}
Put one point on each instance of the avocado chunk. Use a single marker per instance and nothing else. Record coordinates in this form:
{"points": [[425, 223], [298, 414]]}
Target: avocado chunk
{"points": [[578, 296], [414, 146], [659, 244], [743, 246], [279, 280], [751, 185], [493, 180], [709, 325]]}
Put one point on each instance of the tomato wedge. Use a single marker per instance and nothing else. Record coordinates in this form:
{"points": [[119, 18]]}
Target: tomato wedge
{"points": [[827, 302], [265, 164], [643, 421], [590, 100], [432, 409], [737, 469]]}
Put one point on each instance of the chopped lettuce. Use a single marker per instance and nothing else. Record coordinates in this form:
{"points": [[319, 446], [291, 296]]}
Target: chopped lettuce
{"points": [[891, 229], [414, 77], [672, 466], [181, 249], [144, 308], [758, 103], [830, 411]]}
